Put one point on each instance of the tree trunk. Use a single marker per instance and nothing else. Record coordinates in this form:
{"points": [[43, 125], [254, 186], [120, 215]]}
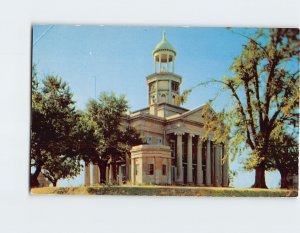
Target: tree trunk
{"points": [[284, 183], [260, 180], [102, 168], [34, 177], [54, 183]]}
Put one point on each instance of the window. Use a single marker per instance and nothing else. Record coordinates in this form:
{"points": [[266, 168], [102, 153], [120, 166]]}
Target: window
{"points": [[149, 140], [164, 170], [175, 86], [150, 169], [163, 98], [159, 141]]}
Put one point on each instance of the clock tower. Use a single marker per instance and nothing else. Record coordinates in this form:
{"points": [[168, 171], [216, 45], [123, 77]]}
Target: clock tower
{"points": [[164, 84]]}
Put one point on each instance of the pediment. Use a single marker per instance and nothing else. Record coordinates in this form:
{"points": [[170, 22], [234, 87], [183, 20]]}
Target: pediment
{"points": [[196, 114]]}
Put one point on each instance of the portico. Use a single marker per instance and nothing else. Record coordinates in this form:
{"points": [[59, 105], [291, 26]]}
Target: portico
{"points": [[194, 160]]}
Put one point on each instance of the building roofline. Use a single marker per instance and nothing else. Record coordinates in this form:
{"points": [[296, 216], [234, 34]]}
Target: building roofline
{"points": [[139, 110], [173, 106], [163, 74], [147, 116], [160, 104], [179, 116]]}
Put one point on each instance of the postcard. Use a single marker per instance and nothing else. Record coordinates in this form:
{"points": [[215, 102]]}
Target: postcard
{"points": [[167, 111]]}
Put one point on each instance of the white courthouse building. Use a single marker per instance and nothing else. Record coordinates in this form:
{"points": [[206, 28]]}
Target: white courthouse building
{"points": [[175, 152]]}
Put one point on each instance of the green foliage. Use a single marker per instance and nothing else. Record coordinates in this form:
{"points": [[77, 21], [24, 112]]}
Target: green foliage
{"points": [[61, 167], [87, 142], [267, 75], [128, 137], [52, 125], [61, 137], [110, 134], [232, 174], [105, 115], [284, 154], [53, 117]]}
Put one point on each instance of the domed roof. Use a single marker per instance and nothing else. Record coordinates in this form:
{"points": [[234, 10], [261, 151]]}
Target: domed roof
{"points": [[164, 45]]}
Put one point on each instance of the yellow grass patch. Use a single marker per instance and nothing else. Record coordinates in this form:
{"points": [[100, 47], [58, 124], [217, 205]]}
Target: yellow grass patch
{"points": [[152, 190]]}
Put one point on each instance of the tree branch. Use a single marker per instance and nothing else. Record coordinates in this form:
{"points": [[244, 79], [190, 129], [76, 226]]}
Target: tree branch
{"points": [[249, 107], [268, 88], [257, 92], [242, 111], [254, 41]]}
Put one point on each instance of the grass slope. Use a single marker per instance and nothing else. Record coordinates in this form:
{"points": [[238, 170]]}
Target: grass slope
{"points": [[166, 191]]}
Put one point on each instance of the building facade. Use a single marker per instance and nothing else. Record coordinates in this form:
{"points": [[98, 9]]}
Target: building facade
{"points": [[175, 152]]}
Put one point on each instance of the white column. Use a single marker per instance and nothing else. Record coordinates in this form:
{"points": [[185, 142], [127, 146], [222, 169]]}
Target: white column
{"points": [[156, 178], [199, 163], [220, 178], [225, 180], [168, 65], [208, 165], [179, 160], [132, 170], [169, 171], [190, 160], [173, 66], [218, 162], [170, 93], [107, 174], [159, 63], [95, 174], [212, 165], [111, 180], [127, 168], [120, 175], [87, 175]]}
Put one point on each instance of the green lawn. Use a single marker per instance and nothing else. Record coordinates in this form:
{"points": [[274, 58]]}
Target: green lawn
{"points": [[166, 191]]}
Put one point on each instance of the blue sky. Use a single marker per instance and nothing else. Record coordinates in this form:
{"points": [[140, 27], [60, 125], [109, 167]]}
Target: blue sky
{"points": [[120, 57]]}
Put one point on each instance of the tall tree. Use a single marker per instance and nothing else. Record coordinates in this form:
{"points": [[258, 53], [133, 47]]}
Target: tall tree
{"points": [[52, 123], [113, 138], [265, 92]]}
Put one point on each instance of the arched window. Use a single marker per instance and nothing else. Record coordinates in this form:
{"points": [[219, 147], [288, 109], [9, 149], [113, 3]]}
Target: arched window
{"points": [[163, 98], [152, 100], [175, 86]]}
